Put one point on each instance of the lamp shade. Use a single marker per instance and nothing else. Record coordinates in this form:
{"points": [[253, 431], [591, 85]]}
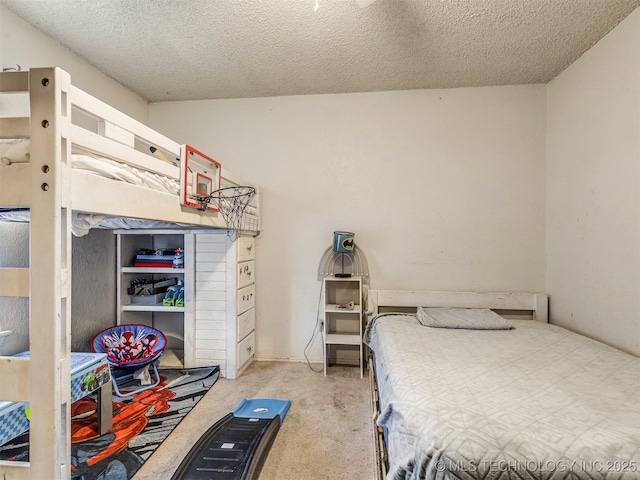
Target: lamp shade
{"points": [[343, 242]]}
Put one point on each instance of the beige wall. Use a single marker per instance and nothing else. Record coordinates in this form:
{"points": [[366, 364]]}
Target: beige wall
{"points": [[444, 190], [593, 185], [22, 44]]}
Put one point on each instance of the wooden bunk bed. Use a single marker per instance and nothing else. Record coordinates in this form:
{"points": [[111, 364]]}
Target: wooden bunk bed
{"points": [[51, 189]]}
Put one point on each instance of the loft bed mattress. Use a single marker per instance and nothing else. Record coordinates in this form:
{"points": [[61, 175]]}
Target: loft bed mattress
{"points": [[13, 151], [535, 402]]}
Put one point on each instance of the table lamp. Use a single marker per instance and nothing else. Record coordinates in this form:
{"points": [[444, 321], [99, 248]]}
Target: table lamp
{"points": [[343, 243]]}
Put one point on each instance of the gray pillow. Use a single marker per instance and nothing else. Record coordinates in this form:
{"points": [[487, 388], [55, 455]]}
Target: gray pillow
{"points": [[468, 318]]}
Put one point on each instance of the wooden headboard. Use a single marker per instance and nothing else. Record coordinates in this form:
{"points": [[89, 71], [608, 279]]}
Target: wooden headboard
{"points": [[534, 305]]}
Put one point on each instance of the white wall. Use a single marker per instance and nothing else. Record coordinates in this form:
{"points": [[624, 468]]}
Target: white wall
{"points": [[444, 189], [22, 44], [593, 184]]}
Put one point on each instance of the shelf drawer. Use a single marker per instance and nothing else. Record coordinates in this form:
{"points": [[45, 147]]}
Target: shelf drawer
{"points": [[246, 249], [246, 323], [246, 298], [246, 273], [246, 349]]}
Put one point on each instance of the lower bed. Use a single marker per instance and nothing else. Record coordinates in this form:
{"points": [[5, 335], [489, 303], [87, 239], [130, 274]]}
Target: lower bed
{"points": [[89, 372], [534, 402]]}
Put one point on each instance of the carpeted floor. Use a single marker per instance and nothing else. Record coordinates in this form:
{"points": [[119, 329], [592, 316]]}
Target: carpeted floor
{"points": [[327, 433]]}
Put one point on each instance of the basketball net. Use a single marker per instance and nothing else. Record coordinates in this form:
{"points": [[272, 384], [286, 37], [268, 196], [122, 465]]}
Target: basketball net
{"points": [[231, 202]]}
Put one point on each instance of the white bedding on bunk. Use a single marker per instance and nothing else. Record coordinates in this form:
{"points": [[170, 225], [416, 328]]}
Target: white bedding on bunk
{"points": [[17, 151], [535, 402], [81, 222]]}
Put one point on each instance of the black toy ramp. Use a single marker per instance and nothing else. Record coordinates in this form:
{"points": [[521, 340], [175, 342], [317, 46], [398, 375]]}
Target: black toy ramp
{"points": [[236, 446]]}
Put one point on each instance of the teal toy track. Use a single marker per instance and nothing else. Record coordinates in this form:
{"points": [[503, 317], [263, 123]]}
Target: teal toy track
{"points": [[236, 446]]}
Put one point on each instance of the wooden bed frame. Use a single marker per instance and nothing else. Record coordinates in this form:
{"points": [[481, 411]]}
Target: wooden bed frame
{"points": [[534, 306], [51, 189]]}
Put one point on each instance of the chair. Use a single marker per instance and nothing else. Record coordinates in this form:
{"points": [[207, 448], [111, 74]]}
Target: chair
{"points": [[130, 348]]}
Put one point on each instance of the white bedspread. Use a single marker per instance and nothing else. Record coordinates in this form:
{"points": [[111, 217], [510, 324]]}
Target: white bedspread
{"points": [[17, 151], [536, 402]]}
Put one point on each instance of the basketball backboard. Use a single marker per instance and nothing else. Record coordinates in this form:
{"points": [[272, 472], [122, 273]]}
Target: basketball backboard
{"points": [[199, 176]]}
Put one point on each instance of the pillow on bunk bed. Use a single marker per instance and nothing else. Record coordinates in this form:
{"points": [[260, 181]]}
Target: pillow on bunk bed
{"points": [[467, 318], [14, 151]]}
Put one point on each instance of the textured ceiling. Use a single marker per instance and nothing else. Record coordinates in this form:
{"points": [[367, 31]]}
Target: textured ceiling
{"points": [[202, 49]]}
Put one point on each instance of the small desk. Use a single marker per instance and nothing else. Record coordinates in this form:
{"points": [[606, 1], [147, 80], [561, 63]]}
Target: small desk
{"points": [[89, 372]]}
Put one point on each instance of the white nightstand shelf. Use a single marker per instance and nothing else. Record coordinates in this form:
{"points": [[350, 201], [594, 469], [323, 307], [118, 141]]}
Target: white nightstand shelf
{"points": [[342, 328], [336, 309], [342, 339]]}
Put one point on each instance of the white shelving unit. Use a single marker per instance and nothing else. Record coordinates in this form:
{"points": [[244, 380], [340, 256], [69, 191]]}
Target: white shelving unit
{"points": [[342, 328], [216, 326], [177, 323]]}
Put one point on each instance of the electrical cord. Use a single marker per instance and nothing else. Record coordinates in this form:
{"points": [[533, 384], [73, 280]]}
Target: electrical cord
{"points": [[316, 330]]}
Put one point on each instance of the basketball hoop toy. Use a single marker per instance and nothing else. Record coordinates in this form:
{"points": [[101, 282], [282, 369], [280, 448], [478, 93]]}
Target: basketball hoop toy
{"points": [[232, 202]]}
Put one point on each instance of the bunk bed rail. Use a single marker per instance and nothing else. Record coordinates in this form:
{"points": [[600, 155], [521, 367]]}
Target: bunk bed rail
{"points": [[47, 371], [101, 131]]}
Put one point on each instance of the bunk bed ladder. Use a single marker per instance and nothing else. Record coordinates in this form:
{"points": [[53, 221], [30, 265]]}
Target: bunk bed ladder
{"points": [[44, 379]]}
